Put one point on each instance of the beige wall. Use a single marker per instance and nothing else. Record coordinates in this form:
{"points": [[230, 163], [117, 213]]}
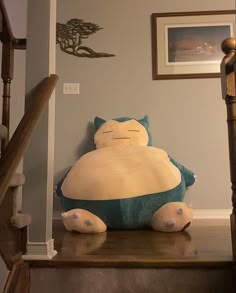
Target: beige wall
{"points": [[187, 116]]}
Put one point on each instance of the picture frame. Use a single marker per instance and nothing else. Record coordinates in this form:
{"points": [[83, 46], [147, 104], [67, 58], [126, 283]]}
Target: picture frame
{"points": [[188, 44]]}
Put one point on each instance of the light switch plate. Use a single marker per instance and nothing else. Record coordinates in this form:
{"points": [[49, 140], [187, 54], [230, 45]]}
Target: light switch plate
{"points": [[71, 88]]}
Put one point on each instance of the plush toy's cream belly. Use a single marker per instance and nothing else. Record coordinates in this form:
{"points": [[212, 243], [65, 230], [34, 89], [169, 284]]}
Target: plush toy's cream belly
{"points": [[120, 172]]}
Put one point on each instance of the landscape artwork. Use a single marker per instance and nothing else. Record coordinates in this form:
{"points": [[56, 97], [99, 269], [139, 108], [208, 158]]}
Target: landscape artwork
{"points": [[196, 43]]}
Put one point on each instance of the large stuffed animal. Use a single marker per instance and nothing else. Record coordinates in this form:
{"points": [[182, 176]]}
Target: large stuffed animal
{"points": [[125, 183]]}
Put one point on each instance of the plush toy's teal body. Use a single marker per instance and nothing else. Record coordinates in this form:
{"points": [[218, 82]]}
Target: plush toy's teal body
{"points": [[124, 182], [130, 213]]}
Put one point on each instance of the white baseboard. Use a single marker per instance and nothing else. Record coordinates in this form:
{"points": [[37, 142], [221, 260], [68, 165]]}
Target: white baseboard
{"points": [[40, 250], [201, 214]]}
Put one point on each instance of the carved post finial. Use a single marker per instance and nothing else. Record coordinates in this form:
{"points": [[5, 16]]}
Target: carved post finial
{"points": [[228, 45], [228, 67]]}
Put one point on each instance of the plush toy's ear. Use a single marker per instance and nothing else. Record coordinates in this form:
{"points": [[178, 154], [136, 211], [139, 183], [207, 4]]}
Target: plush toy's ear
{"points": [[144, 121], [98, 122]]}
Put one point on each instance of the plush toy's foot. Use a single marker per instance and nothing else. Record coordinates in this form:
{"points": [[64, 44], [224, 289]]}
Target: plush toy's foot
{"points": [[172, 217], [83, 221]]}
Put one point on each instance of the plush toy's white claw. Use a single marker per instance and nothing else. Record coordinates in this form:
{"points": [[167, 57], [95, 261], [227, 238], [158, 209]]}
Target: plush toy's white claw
{"points": [[179, 211], [76, 215], [68, 215], [64, 215], [88, 222], [170, 223], [190, 205]]}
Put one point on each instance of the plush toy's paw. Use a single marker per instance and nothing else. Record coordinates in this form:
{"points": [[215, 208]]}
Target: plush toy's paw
{"points": [[83, 221], [172, 217]]}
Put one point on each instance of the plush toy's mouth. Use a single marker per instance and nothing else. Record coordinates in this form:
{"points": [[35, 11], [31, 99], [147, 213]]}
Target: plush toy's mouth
{"points": [[121, 138], [186, 226]]}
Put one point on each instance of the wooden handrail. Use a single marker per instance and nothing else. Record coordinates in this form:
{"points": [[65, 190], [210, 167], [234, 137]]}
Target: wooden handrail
{"points": [[14, 151]]}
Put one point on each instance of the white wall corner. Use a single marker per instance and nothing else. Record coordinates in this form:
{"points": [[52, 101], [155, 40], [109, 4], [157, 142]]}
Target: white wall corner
{"points": [[40, 250]]}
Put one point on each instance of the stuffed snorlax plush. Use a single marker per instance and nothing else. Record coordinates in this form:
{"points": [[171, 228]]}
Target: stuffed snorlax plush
{"points": [[125, 183]]}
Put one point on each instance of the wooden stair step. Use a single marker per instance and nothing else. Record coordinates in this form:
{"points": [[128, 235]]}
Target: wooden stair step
{"points": [[200, 245], [197, 260], [18, 179], [3, 131]]}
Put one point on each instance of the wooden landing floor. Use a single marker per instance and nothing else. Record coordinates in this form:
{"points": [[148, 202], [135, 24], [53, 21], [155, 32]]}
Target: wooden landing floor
{"points": [[204, 244]]}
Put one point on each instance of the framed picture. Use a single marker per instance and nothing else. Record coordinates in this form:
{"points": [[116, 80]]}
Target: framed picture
{"points": [[188, 44]]}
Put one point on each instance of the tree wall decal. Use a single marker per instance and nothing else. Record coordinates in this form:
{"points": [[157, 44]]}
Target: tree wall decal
{"points": [[71, 35]]}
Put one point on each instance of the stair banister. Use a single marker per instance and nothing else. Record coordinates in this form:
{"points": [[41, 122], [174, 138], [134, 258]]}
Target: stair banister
{"points": [[7, 69], [20, 139], [9, 43]]}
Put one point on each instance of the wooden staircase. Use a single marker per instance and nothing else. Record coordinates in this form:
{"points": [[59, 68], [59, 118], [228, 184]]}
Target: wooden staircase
{"points": [[13, 223], [14, 271]]}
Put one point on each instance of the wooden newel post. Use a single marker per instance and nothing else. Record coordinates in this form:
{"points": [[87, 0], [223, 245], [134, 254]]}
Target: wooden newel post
{"points": [[228, 70], [228, 80]]}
